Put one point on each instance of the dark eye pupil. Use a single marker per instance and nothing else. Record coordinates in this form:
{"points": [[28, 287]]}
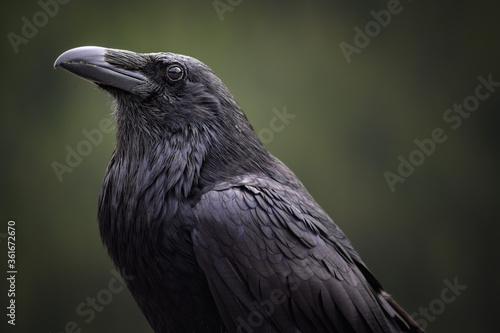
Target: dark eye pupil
{"points": [[174, 73]]}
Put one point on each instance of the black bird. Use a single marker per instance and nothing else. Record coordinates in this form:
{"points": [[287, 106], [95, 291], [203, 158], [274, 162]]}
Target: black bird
{"points": [[219, 235]]}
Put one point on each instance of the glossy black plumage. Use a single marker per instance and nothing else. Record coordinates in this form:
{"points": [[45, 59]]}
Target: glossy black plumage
{"points": [[220, 235]]}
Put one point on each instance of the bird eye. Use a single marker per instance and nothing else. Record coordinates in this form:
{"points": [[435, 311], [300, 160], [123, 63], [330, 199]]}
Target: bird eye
{"points": [[175, 72]]}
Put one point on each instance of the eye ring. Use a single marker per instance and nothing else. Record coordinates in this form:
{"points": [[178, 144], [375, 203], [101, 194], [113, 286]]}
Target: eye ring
{"points": [[175, 72]]}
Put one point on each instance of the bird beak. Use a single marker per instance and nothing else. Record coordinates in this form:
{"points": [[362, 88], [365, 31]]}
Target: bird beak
{"points": [[89, 62]]}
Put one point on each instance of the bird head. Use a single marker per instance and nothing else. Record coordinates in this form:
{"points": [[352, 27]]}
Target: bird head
{"points": [[162, 92], [173, 100]]}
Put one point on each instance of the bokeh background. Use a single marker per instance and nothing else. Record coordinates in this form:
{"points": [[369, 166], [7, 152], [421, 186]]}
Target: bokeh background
{"points": [[352, 121]]}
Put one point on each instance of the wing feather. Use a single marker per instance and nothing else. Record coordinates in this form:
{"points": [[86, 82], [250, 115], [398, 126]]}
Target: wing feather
{"points": [[276, 263]]}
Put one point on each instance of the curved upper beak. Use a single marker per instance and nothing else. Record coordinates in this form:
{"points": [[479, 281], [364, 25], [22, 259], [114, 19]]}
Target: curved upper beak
{"points": [[89, 62]]}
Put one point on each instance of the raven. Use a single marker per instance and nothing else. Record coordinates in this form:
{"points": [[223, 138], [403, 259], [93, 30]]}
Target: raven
{"points": [[219, 234]]}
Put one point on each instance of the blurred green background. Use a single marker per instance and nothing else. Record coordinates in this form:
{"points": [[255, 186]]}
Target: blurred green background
{"points": [[352, 121]]}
